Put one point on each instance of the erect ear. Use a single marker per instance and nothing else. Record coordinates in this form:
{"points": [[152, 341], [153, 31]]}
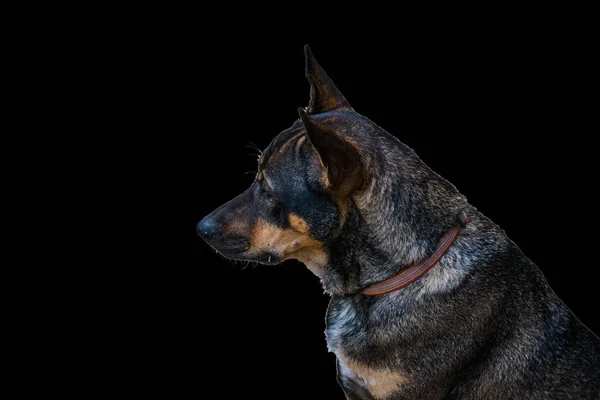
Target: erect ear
{"points": [[339, 157], [324, 95]]}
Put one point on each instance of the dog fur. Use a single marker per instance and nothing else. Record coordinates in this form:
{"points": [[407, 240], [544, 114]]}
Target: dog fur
{"points": [[357, 206]]}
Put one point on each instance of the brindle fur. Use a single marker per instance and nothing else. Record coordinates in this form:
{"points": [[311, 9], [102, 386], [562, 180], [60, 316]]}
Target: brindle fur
{"points": [[357, 206]]}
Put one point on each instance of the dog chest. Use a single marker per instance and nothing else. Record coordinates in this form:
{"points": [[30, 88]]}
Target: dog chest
{"points": [[345, 330]]}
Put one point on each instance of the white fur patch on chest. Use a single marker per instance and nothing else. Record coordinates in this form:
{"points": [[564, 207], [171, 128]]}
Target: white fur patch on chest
{"points": [[339, 326]]}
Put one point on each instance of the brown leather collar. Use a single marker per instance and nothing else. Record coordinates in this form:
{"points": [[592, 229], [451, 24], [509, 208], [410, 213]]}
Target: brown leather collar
{"points": [[414, 272]]}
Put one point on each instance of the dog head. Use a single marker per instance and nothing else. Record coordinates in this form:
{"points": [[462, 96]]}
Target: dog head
{"points": [[333, 183], [301, 191]]}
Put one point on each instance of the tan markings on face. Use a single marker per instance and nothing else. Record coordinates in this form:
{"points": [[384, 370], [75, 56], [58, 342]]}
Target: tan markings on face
{"points": [[260, 177], [298, 224], [237, 226], [292, 243], [382, 382], [343, 206]]}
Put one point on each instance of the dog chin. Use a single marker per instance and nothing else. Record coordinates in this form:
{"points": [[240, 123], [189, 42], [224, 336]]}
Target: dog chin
{"points": [[267, 259]]}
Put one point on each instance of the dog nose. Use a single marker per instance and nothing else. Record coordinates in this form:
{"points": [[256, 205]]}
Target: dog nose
{"points": [[206, 228]]}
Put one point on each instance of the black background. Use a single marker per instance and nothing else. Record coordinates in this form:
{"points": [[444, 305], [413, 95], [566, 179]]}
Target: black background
{"points": [[504, 116]]}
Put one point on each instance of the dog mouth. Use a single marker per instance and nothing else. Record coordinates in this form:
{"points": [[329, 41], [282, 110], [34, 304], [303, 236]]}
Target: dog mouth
{"points": [[237, 248], [232, 252], [240, 254], [230, 247]]}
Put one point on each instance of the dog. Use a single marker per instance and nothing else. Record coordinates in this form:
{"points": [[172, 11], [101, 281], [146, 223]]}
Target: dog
{"points": [[429, 298]]}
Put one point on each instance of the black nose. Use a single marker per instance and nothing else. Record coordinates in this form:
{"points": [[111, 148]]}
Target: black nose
{"points": [[206, 228]]}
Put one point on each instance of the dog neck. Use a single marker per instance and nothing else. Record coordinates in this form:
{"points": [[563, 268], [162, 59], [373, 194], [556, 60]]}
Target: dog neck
{"points": [[416, 271], [351, 270], [374, 246]]}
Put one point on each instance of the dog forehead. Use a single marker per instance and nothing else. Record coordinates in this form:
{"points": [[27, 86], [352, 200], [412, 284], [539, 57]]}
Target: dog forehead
{"points": [[284, 148]]}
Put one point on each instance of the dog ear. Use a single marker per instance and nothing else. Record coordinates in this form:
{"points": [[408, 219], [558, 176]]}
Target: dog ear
{"points": [[324, 95], [339, 157]]}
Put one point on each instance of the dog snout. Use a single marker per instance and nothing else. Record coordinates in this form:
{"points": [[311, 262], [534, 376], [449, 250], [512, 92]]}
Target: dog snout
{"points": [[212, 231]]}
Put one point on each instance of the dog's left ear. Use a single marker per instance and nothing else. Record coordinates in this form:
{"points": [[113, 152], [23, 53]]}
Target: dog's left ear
{"points": [[339, 157], [324, 95]]}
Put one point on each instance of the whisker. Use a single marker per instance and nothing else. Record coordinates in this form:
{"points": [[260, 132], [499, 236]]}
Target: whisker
{"points": [[255, 147]]}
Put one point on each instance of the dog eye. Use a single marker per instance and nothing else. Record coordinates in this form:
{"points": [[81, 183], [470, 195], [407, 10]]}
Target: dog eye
{"points": [[264, 192]]}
